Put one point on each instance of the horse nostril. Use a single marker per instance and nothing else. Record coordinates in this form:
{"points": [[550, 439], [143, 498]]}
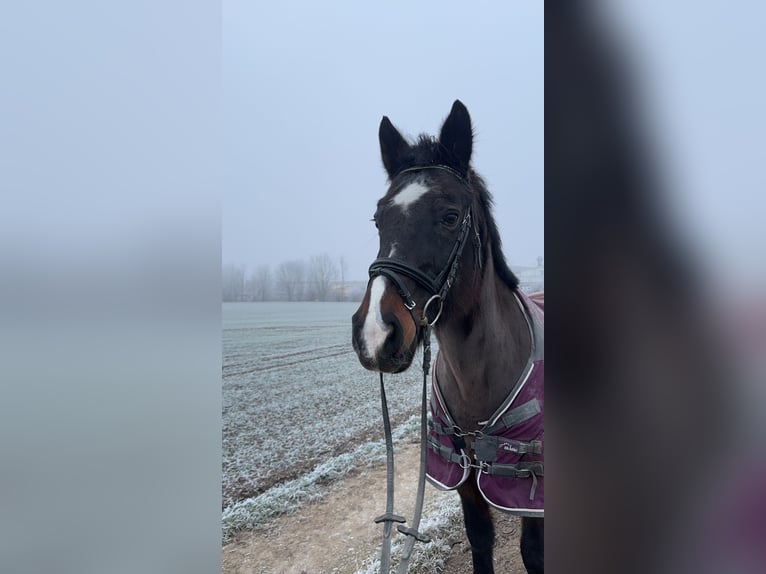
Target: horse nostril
{"points": [[394, 339]]}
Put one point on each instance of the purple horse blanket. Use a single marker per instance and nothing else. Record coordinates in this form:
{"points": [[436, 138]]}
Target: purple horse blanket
{"points": [[508, 450]]}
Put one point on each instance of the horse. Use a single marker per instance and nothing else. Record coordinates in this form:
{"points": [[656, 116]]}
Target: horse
{"points": [[440, 264]]}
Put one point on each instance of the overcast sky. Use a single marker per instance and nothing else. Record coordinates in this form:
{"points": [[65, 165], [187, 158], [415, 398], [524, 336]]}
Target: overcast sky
{"points": [[305, 87]]}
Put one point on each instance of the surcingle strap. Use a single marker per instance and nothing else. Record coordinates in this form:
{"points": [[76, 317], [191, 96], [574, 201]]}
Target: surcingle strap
{"points": [[444, 430], [520, 469], [488, 447], [445, 452], [516, 416]]}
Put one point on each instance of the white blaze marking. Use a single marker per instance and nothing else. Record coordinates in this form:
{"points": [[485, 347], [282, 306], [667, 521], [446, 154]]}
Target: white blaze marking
{"points": [[409, 195], [375, 330]]}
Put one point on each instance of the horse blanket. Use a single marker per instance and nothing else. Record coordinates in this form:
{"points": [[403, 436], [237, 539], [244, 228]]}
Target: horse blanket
{"points": [[508, 450]]}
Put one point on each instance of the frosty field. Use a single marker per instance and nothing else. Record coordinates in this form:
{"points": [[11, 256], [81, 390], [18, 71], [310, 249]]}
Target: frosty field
{"points": [[299, 414], [295, 396]]}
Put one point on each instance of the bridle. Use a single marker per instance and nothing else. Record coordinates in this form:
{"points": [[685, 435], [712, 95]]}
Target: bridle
{"points": [[437, 287]]}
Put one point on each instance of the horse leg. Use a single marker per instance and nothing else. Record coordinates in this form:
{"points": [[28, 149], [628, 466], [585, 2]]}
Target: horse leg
{"points": [[533, 544], [478, 526]]}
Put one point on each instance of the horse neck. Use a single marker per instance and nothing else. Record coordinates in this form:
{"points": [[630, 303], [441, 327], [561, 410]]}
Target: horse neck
{"points": [[483, 351]]}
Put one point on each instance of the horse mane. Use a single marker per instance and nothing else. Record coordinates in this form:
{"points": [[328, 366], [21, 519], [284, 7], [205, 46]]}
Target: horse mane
{"points": [[496, 245], [429, 151]]}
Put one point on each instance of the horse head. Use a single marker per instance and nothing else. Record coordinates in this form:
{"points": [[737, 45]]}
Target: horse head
{"points": [[434, 207]]}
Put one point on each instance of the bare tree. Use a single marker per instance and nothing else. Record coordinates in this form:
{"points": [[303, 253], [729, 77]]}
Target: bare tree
{"points": [[258, 286], [343, 268], [290, 278], [322, 272], [233, 283]]}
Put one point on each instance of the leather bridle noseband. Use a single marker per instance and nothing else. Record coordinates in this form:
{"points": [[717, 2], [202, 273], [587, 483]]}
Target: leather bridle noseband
{"points": [[437, 287]]}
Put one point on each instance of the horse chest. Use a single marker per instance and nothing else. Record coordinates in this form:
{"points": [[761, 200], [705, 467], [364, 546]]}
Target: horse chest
{"points": [[506, 453]]}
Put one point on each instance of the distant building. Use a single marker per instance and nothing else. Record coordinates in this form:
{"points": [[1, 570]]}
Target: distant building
{"points": [[347, 290]]}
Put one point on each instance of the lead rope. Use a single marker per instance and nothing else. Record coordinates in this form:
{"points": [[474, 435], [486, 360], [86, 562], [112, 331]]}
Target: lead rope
{"points": [[389, 516], [413, 533]]}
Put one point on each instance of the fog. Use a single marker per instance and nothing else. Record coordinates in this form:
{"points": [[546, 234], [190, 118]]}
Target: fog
{"points": [[305, 88]]}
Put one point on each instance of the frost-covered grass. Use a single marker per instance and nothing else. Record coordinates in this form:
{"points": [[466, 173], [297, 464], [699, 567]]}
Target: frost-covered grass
{"points": [[442, 521], [299, 413], [255, 513], [295, 397]]}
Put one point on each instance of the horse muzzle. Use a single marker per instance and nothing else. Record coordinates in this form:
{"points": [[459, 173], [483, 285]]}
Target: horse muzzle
{"points": [[384, 333]]}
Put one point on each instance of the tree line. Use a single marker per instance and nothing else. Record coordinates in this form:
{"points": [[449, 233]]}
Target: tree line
{"points": [[319, 278]]}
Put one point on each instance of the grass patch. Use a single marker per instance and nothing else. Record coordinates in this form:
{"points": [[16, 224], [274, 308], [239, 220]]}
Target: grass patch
{"points": [[443, 523], [257, 512]]}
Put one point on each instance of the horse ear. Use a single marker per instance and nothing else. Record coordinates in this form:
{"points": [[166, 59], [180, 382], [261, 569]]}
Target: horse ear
{"points": [[457, 135], [392, 147]]}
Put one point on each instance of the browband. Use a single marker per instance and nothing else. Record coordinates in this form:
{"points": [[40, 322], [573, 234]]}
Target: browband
{"points": [[438, 166]]}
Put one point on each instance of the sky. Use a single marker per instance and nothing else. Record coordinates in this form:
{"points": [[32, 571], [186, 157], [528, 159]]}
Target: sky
{"points": [[304, 90]]}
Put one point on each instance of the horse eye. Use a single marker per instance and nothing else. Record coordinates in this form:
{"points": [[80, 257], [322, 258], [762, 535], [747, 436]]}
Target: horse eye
{"points": [[450, 219]]}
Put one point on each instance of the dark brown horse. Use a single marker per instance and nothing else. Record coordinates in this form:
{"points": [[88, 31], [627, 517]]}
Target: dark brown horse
{"points": [[440, 257]]}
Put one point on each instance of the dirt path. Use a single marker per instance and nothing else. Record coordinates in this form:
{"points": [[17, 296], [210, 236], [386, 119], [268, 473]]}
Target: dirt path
{"points": [[338, 535]]}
